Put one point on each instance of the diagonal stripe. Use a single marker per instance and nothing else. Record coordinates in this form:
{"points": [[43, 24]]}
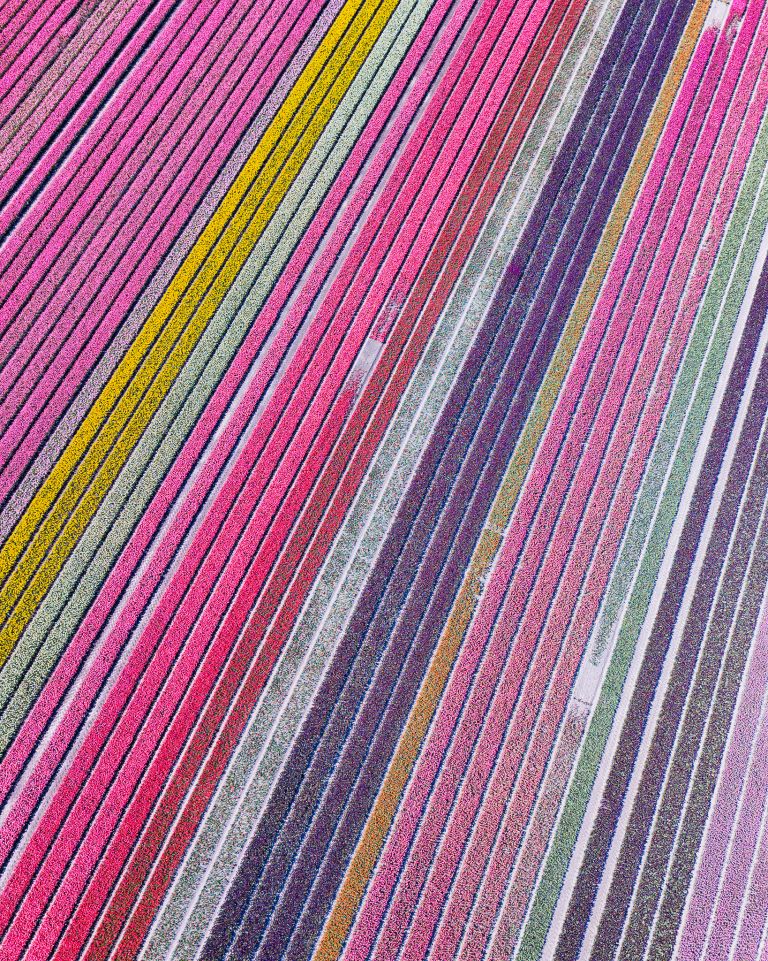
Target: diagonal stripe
{"points": [[371, 842]]}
